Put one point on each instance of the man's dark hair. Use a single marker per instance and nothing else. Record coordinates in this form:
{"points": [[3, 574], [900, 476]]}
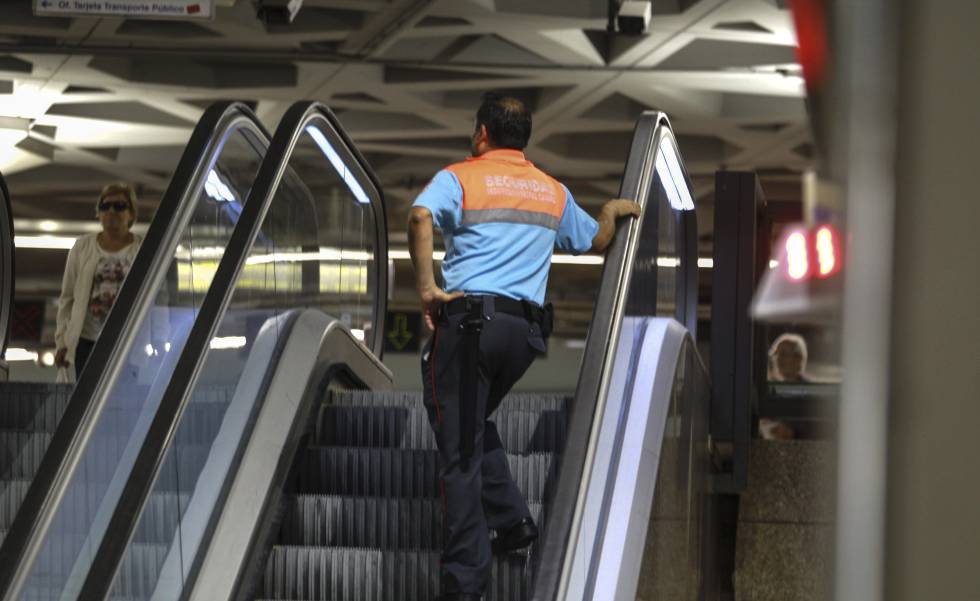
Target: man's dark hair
{"points": [[507, 119]]}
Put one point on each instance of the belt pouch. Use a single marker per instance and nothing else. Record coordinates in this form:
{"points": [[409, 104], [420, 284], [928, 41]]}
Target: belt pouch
{"points": [[547, 320]]}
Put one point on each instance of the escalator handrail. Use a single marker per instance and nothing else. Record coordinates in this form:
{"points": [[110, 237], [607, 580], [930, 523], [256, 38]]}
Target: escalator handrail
{"points": [[553, 555], [30, 525], [139, 484], [7, 265]]}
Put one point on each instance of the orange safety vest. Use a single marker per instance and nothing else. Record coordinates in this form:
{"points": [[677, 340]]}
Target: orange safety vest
{"points": [[503, 186]]}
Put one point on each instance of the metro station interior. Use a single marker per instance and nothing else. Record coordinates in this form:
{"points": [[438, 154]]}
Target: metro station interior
{"points": [[767, 388]]}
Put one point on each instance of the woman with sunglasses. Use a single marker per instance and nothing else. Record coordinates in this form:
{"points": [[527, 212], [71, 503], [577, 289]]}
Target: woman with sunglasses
{"points": [[97, 265]]}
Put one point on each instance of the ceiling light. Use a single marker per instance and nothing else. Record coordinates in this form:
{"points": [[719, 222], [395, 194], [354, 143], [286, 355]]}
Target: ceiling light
{"points": [[577, 259], [672, 177], [338, 164], [19, 354], [44, 242], [74, 227], [228, 342], [217, 189]]}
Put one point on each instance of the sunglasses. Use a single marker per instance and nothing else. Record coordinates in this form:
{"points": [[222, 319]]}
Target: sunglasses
{"points": [[118, 207]]}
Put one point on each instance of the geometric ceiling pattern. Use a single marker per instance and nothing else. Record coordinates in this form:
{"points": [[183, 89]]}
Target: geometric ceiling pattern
{"points": [[97, 99]]}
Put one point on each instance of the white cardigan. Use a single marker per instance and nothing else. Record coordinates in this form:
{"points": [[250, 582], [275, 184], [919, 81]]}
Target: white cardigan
{"points": [[76, 288]]}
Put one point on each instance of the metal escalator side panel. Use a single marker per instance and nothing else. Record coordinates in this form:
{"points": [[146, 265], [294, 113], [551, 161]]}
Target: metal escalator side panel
{"points": [[607, 446], [613, 559], [153, 306], [7, 265], [280, 257], [317, 346]]}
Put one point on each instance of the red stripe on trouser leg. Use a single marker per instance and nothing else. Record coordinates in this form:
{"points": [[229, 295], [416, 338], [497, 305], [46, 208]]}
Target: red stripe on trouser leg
{"points": [[445, 515], [432, 374]]}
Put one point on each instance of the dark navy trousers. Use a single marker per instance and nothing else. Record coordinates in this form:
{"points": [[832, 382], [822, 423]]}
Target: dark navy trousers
{"points": [[478, 491]]}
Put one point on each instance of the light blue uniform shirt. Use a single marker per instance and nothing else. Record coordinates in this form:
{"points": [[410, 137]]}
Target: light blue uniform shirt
{"points": [[504, 259]]}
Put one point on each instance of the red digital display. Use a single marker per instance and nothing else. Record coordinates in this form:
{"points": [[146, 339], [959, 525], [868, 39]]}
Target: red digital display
{"points": [[811, 254], [827, 251], [797, 259]]}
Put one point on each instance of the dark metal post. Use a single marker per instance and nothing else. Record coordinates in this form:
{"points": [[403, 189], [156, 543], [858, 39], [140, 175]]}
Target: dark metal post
{"points": [[738, 198]]}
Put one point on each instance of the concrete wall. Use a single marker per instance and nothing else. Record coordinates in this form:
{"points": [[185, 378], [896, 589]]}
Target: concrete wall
{"points": [[933, 517]]}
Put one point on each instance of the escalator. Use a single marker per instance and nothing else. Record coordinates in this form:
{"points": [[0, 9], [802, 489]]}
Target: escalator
{"points": [[56, 461], [277, 463]]}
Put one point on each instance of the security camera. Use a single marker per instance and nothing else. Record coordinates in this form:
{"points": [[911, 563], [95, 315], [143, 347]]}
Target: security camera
{"points": [[278, 12], [634, 16]]}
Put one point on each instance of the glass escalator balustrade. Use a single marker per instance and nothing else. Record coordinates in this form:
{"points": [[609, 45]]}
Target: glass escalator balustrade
{"points": [[79, 519], [648, 423], [314, 249]]}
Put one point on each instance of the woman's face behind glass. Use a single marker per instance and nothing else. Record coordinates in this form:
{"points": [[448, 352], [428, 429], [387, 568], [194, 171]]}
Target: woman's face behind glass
{"points": [[114, 220]]}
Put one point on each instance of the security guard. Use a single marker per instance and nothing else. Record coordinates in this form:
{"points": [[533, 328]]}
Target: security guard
{"points": [[501, 218]]}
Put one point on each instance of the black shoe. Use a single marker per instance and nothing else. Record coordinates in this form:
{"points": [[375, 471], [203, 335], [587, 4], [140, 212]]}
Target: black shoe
{"points": [[518, 537], [460, 597]]}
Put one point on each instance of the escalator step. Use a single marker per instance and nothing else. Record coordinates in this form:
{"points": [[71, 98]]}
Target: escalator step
{"points": [[21, 452], [201, 422], [400, 473], [160, 516], [12, 492], [139, 571], [32, 406], [375, 522], [411, 400], [521, 431], [351, 574]]}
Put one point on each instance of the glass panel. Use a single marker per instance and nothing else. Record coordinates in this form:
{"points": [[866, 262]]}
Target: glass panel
{"points": [[656, 280], [83, 514], [651, 291], [315, 249], [671, 567], [654, 288]]}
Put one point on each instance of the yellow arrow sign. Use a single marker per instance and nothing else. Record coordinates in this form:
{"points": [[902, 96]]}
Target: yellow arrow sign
{"points": [[399, 335]]}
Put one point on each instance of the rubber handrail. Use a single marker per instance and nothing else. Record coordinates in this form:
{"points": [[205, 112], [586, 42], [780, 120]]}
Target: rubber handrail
{"points": [[7, 265]]}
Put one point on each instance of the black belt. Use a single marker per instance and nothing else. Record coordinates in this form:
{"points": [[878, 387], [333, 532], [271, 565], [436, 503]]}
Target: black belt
{"points": [[530, 311]]}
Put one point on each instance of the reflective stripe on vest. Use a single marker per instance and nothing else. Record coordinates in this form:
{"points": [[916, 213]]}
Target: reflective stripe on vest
{"points": [[501, 186]]}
